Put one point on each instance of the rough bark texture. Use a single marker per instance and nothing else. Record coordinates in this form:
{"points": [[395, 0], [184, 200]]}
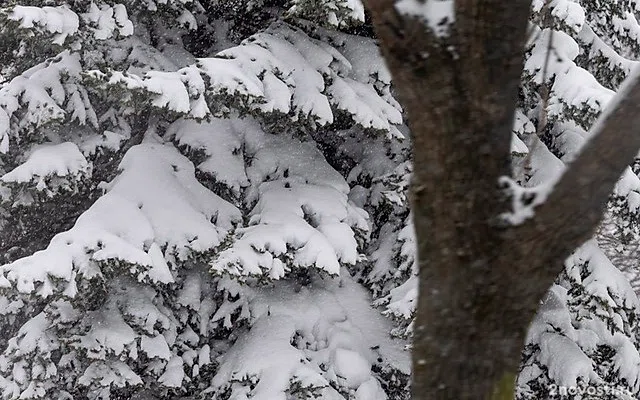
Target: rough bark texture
{"points": [[481, 282]]}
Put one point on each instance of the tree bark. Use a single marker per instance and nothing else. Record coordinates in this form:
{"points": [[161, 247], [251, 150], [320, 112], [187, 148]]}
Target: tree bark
{"points": [[481, 281]]}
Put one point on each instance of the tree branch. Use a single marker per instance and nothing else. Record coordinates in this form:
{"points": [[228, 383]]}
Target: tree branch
{"points": [[574, 208]]}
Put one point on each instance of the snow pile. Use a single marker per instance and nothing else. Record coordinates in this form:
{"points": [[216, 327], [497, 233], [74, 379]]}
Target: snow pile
{"points": [[108, 21], [391, 271], [401, 301], [178, 215], [50, 92], [568, 14], [129, 236], [573, 87], [221, 143], [584, 335], [123, 303], [600, 54], [184, 166], [300, 214], [591, 314]]}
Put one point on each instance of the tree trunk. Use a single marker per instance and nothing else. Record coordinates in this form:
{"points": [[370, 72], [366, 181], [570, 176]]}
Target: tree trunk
{"points": [[481, 281]]}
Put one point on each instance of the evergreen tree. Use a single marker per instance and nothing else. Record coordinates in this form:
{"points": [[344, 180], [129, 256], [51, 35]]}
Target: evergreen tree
{"points": [[585, 335], [171, 227], [195, 194]]}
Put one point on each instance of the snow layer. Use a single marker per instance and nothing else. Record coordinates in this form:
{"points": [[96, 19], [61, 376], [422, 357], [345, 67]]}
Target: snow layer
{"points": [[48, 92], [221, 140], [108, 21], [437, 14], [176, 213], [311, 335], [57, 20], [300, 217], [341, 13], [50, 159], [259, 78], [569, 331]]}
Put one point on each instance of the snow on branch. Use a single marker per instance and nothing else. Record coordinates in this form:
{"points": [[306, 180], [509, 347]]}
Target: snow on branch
{"points": [[327, 343], [338, 13], [60, 20], [300, 214], [281, 70], [439, 15], [179, 215], [49, 92], [105, 21]]}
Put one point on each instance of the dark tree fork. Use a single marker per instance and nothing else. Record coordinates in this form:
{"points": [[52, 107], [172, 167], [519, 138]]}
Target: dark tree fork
{"points": [[481, 282]]}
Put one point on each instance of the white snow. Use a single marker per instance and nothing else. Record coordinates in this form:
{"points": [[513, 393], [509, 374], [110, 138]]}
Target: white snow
{"points": [[221, 141], [109, 333], [174, 373], [41, 91], [604, 279], [62, 160], [155, 347], [437, 14], [108, 21], [573, 87], [362, 101], [330, 329], [569, 12], [569, 336], [256, 74], [33, 337], [367, 64], [351, 366], [176, 211], [307, 61], [108, 373], [159, 271], [108, 140], [60, 20], [171, 91], [621, 94], [354, 10], [517, 145], [300, 213], [565, 360], [178, 207]]}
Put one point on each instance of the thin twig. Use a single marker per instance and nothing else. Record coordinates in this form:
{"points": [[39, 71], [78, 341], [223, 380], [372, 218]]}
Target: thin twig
{"points": [[544, 91]]}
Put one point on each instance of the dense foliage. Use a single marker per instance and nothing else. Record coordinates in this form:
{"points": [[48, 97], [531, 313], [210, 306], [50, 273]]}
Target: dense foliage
{"points": [[208, 199]]}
